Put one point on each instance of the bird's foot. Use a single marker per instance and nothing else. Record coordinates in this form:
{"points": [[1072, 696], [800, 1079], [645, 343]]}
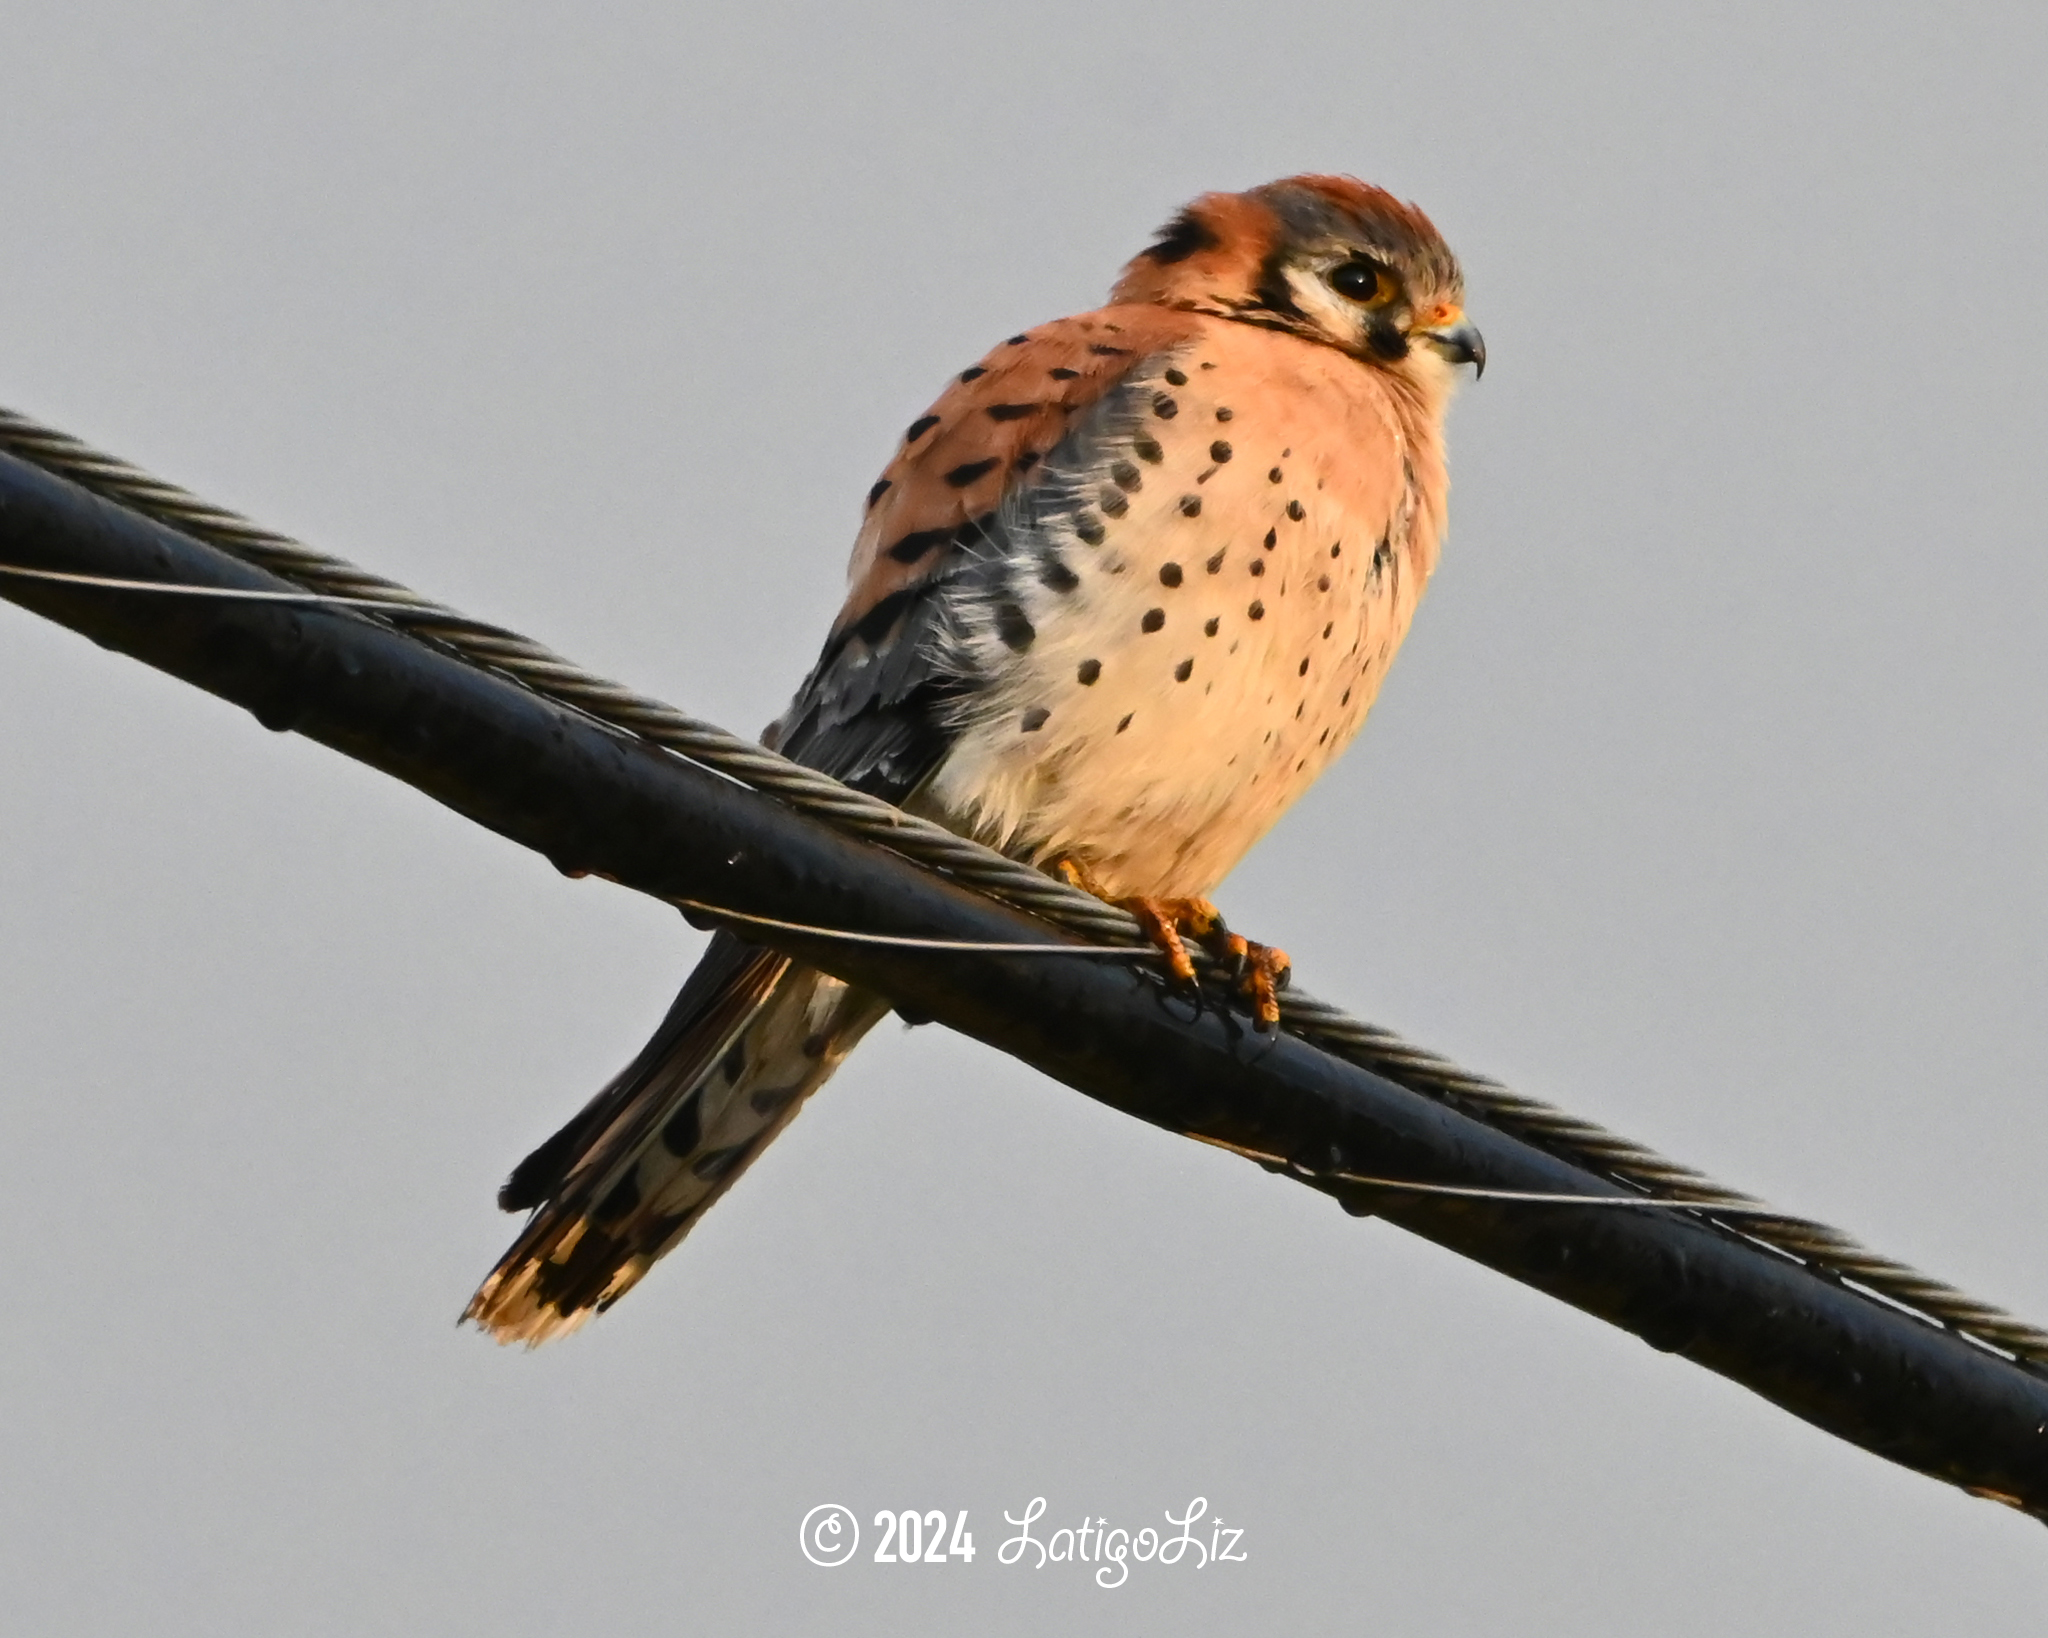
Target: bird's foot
{"points": [[1259, 971]]}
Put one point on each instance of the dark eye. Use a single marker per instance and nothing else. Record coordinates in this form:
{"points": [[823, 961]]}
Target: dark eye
{"points": [[1365, 282]]}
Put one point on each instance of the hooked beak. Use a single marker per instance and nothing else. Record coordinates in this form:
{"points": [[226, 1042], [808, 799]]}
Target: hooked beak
{"points": [[1459, 343]]}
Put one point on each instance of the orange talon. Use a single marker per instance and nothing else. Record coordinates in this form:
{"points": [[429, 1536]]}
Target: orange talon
{"points": [[1163, 919], [1259, 971], [1270, 970]]}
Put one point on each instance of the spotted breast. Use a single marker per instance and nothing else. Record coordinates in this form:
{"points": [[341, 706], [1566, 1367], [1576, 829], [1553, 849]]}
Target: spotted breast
{"points": [[1177, 625]]}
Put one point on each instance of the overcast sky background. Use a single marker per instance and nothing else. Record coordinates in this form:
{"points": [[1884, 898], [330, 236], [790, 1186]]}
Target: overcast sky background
{"points": [[1706, 800]]}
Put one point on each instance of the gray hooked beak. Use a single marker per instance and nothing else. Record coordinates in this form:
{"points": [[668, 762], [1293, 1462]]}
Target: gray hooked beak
{"points": [[1459, 343]]}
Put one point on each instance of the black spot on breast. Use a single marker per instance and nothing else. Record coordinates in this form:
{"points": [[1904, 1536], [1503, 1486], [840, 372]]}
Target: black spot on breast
{"points": [[1303, 672], [720, 1161], [1009, 412], [771, 1098], [974, 373], [1258, 566], [1224, 412], [1164, 407], [880, 489], [1088, 528], [919, 427], [1121, 726], [1113, 503], [1209, 626], [1275, 475], [1346, 700], [684, 1129], [1191, 506], [1184, 670], [1272, 538], [967, 471], [1056, 576], [1322, 582], [1216, 562], [1147, 449], [918, 543], [1033, 720], [1088, 672], [1016, 631], [1219, 452], [1169, 574], [1186, 235], [1016, 341], [1126, 476], [1154, 619], [1294, 510], [1257, 611], [1336, 548], [1102, 349], [1174, 378], [1328, 627], [1062, 373]]}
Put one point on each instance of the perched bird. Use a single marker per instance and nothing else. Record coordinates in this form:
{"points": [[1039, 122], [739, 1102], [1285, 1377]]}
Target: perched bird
{"points": [[1123, 592]]}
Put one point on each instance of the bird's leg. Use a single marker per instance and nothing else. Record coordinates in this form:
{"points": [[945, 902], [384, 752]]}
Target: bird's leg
{"points": [[1260, 971]]}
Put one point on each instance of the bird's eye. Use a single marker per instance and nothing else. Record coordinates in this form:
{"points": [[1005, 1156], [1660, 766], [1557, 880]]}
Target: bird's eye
{"points": [[1363, 282]]}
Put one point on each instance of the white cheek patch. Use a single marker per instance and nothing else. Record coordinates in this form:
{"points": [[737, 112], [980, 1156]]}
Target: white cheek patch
{"points": [[1339, 320]]}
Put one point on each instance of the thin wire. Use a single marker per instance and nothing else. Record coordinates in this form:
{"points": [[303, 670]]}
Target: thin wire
{"points": [[1726, 1206], [507, 654], [233, 594], [906, 942]]}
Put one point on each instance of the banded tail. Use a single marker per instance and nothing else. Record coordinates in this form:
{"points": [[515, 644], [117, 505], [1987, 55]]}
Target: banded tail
{"points": [[749, 1038]]}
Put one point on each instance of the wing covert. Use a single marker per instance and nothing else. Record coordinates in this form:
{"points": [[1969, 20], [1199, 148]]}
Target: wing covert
{"points": [[881, 706]]}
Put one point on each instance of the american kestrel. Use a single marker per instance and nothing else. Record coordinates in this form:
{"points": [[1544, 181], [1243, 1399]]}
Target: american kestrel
{"points": [[1122, 593]]}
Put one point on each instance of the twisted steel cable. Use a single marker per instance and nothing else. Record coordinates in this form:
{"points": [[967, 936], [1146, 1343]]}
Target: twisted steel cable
{"points": [[1829, 1252]]}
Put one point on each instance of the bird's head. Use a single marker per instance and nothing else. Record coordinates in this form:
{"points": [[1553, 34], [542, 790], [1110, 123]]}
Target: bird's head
{"points": [[1328, 258]]}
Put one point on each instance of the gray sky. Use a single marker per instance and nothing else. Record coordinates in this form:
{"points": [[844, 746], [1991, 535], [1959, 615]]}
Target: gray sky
{"points": [[1706, 800]]}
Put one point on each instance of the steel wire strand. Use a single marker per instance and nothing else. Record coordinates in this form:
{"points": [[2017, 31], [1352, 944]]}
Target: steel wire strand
{"points": [[1827, 1251]]}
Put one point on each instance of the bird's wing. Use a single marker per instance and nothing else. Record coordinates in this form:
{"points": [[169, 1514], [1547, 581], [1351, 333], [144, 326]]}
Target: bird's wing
{"points": [[874, 710], [752, 1033], [879, 709]]}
